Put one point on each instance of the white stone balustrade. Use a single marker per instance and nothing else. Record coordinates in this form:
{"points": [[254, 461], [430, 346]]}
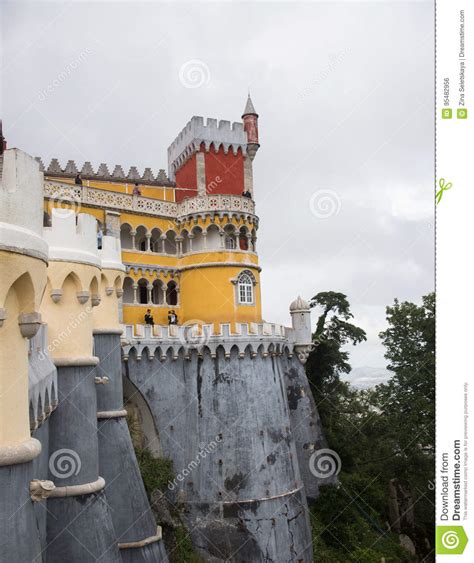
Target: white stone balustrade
{"points": [[78, 195]]}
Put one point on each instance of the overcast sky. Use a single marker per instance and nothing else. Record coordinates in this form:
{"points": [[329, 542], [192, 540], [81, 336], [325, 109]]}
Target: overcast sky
{"points": [[344, 175]]}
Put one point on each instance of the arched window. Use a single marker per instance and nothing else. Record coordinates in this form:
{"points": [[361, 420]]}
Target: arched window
{"points": [[229, 242], [143, 291], [245, 288], [157, 293], [155, 240], [171, 293], [141, 239], [128, 291], [125, 236], [170, 243]]}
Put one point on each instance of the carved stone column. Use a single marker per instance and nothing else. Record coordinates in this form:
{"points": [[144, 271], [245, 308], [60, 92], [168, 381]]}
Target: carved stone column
{"points": [[162, 239]]}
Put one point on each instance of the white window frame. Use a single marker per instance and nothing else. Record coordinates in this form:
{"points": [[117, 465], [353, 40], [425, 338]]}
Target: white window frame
{"points": [[245, 288]]}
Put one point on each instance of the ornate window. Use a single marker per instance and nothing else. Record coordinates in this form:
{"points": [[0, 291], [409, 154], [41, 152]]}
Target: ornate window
{"points": [[245, 288]]}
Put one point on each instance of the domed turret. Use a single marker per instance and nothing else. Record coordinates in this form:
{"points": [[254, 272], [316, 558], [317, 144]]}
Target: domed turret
{"points": [[299, 305]]}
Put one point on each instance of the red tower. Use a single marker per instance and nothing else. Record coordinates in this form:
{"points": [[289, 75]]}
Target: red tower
{"points": [[214, 158]]}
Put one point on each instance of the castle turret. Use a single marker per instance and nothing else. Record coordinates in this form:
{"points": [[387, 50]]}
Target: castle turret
{"points": [[23, 261], [301, 322], [78, 507], [250, 119], [139, 539]]}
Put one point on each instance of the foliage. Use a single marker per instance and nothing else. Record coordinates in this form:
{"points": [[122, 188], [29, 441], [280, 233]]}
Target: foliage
{"points": [[379, 434], [156, 472]]}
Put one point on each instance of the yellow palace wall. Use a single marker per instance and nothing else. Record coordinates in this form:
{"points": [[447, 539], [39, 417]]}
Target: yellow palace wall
{"points": [[206, 294]]}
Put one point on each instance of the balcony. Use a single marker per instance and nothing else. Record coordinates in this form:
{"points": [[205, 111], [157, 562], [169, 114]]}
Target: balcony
{"points": [[82, 195]]}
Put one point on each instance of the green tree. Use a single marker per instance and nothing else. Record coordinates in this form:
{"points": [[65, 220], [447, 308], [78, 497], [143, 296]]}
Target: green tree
{"points": [[380, 434], [328, 359]]}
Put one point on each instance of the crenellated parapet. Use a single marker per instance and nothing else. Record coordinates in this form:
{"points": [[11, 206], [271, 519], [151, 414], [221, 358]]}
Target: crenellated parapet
{"points": [[55, 169], [255, 338], [211, 134]]}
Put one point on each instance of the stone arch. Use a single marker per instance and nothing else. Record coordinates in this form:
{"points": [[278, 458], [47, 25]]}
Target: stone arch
{"points": [[157, 293], [170, 242], [94, 285], [128, 290], [172, 293], [23, 289], [156, 243], [118, 282], [185, 241], [213, 237], [243, 238], [142, 291], [126, 239], [230, 236], [72, 278], [197, 238], [142, 425], [141, 238]]}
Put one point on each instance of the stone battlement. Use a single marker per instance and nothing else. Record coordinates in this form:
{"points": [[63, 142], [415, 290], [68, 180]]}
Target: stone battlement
{"points": [[219, 134], [71, 238], [103, 174], [264, 338], [20, 205], [111, 253]]}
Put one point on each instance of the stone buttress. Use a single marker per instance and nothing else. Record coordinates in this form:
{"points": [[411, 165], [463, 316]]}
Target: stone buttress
{"points": [[79, 522], [138, 537], [23, 262]]}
